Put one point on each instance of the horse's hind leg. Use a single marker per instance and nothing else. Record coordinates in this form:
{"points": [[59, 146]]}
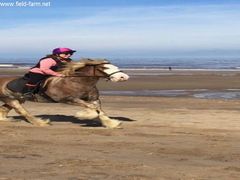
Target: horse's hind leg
{"points": [[4, 109], [15, 104]]}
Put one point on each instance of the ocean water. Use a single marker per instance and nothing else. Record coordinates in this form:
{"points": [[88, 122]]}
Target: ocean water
{"points": [[179, 63], [220, 63]]}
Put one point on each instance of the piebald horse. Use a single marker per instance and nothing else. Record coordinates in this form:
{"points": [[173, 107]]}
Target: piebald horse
{"points": [[77, 87]]}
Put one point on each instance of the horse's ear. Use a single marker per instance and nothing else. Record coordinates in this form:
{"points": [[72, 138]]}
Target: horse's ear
{"points": [[95, 61], [77, 65], [86, 60], [102, 60], [106, 61]]}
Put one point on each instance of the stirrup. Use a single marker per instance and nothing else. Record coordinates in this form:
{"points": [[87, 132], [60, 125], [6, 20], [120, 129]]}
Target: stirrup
{"points": [[28, 95]]}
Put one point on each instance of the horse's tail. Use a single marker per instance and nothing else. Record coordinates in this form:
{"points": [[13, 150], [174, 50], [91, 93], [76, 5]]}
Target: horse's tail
{"points": [[5, 92]]}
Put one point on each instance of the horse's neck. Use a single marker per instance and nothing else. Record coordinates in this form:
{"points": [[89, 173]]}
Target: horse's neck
{"points": [[76, 82], [86, 81]]}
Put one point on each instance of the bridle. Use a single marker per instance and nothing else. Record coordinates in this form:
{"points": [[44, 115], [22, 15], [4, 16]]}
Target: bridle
{"points": [[108, 75], [94, 72]]}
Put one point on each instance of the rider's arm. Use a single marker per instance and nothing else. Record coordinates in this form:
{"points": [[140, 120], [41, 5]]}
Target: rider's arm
{"points": [[45, 66]]}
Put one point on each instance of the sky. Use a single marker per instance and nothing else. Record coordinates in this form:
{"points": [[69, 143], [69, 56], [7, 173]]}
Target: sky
{"points": [[120, 28]]}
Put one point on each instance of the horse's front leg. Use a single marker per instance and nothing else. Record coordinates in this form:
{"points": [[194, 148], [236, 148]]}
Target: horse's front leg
{"points": [[15, 104], [89, 108], [105, 119], [80, 102], [97, 112]]}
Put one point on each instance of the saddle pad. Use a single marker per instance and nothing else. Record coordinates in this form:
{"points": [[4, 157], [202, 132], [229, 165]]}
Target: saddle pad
{"points": [[17, 85]]}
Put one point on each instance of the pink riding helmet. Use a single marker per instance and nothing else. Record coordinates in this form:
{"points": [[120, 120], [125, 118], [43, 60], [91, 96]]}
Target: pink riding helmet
{"points": [[62, 50]]}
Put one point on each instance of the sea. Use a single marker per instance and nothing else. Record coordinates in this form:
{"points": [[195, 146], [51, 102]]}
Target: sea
{"points": [[191, 63], [161, 63]]}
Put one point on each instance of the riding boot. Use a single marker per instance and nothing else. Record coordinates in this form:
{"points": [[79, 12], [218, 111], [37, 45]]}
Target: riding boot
{"points": [[29, 91]]}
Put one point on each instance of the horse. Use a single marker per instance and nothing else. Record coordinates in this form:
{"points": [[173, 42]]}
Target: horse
{"points": [[76, 87]]}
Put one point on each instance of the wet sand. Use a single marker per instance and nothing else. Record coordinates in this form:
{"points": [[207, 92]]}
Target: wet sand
{"points": [[162, 137], [178, 80]]}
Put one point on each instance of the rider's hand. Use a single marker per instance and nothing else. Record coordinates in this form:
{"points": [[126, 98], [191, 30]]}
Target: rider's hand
{"points": [[61, 75]]}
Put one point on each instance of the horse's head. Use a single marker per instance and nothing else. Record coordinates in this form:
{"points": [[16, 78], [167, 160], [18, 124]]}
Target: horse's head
{"points": [[95, 68], [112, 72]]}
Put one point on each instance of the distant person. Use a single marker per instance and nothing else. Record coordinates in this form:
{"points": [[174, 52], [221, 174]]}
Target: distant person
{"points": [[47, 66], [170, 68]]}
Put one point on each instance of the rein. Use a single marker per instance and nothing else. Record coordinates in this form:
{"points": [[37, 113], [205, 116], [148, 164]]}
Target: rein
{"points": [[94, 73]]}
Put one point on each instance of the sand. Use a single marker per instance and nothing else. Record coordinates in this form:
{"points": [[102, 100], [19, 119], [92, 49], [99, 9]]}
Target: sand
{"points": [[162, 137]]}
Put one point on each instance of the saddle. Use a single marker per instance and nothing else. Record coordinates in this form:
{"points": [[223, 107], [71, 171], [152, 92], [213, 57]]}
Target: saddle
{"points": [[17, 87]]}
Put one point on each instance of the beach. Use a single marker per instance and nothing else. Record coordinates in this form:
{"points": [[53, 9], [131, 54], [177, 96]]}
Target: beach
{"points": [[162, 79], [169, 134]]}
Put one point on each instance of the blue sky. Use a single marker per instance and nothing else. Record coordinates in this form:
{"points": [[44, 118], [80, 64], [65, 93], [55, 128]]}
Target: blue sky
{"points": [[134, 28]]}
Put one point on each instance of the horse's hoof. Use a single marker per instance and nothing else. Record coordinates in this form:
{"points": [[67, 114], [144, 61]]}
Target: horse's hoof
{"points": [[115, 125], [42, 123], [110, 123]]}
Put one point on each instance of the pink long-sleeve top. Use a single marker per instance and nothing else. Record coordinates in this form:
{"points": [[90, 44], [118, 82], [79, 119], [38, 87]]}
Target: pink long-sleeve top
{"points": [[45, 66]]}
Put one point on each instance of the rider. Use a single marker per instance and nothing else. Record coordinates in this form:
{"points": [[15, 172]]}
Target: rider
{"points": [[47, 66]]}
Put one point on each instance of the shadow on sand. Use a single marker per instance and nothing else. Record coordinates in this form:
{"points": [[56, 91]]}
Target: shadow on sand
{"points": [[75, 120]]}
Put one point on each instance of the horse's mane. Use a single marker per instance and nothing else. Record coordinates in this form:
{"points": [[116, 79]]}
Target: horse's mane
{"points": [[69, 68]]}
